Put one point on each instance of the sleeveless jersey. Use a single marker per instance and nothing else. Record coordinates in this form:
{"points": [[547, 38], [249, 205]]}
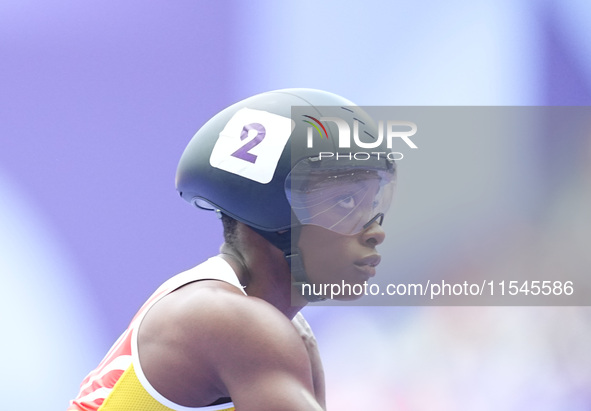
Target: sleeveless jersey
{"points": [[118, 383]]}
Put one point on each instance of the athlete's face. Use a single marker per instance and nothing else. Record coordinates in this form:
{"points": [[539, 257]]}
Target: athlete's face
{"points": [[332, 258], [340, 210]]}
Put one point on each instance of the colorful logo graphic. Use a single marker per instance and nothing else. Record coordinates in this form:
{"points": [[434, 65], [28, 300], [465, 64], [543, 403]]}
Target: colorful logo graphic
{"points": [[315, 126]]}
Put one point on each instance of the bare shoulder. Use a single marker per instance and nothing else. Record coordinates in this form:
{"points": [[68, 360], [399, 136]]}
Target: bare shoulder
{"points": [[215, 310], [203, 341]]}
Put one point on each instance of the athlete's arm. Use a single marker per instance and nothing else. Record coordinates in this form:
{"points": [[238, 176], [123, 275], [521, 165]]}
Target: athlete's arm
{"points": [[211, 342], [269, 368], [311, 345]]}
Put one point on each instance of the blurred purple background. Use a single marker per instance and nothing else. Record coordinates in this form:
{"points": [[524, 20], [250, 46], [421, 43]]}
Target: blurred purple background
{"points": [[98, 100]]}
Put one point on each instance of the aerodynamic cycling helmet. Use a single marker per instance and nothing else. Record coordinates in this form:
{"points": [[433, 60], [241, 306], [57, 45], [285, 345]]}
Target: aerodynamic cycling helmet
{"points": [[286, 158]]}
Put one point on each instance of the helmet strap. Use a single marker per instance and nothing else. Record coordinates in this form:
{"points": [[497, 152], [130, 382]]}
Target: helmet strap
{"points": [[283, 240]]}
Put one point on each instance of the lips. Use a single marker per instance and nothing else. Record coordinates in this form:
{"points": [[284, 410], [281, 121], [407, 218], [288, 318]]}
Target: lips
{"points": [[368, 264]]}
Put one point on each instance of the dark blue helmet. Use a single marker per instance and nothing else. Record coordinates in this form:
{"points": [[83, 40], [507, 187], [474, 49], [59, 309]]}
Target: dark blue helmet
{"points": [[250, 160]]}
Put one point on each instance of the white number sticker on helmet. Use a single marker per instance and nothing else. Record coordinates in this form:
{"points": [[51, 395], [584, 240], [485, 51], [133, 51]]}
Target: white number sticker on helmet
{"points": [[251, 143]]}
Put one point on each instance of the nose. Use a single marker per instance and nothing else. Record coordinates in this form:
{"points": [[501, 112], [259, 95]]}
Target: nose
{"points": [[373, 235]]}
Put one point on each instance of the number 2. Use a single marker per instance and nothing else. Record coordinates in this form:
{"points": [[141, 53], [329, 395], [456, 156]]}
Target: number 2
{"points": [[243, 152]]}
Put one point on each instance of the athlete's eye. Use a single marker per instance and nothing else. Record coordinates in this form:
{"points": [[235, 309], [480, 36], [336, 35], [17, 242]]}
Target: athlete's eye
{"points": [[347, 202]]}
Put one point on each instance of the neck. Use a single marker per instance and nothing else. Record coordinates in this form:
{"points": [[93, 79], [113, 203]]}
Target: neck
{"points": [[265, 275]]}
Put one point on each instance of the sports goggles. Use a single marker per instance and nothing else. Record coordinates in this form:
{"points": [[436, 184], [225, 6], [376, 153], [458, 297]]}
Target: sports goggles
{"points": [[346, 200]]}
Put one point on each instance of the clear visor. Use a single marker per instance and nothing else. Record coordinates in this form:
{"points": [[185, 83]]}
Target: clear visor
{"points": [[343, 200]]}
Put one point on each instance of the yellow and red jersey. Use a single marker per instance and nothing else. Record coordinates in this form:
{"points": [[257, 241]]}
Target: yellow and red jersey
{"points": [[118, 383]]}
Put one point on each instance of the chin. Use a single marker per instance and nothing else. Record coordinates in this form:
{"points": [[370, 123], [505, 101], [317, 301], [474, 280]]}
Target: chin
{"points": [[351, 290], [346, 297]]}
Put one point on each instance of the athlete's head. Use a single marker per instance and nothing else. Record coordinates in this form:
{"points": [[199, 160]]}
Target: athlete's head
{"points": [[277, 171]]}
